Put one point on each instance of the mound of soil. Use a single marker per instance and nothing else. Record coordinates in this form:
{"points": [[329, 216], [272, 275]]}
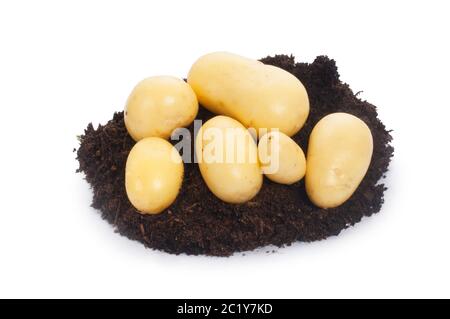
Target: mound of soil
{"points": [[198, 222]]}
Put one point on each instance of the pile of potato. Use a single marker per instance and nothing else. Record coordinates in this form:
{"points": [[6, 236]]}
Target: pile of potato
{"points": [[260, 107]]}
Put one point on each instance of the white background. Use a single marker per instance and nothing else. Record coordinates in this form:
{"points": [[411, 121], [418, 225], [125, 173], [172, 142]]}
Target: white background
{"points": [[66, 63]]}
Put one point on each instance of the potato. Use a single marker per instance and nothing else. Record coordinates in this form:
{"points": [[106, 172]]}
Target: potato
{"points": [[158, 105], [339, 153], [282, 160], [228, 159], [257, 95], [153, 175]]}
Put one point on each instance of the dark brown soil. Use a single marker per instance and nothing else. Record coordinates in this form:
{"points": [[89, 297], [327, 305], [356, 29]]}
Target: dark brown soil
{"points": [[199, 223]]}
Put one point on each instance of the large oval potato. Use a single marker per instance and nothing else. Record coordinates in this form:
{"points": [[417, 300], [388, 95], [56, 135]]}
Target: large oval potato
{"points": [[339, 153], [257, 95], [228, 159]]}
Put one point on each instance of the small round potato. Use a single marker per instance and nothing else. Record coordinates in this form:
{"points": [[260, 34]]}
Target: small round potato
{"points": [[257, 95], [153, 175], [228, 159], [158, 105], [282, 160], [339, 153]]}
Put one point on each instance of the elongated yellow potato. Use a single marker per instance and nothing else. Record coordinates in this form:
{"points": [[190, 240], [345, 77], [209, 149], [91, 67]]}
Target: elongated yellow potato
{"points": [[158, 105], [153, 175], [282, 160], [255, 94], [228, 159], [339, 153]]}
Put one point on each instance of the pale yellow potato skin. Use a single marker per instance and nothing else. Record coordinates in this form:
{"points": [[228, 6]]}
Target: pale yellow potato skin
{"points": [[231, 181], [158, 105], [277, 146], [339, 154], [153, 175], [255, 94]]}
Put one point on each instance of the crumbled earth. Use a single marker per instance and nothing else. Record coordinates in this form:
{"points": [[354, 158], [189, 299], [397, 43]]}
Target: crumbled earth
{"points": [[198, 222]]}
